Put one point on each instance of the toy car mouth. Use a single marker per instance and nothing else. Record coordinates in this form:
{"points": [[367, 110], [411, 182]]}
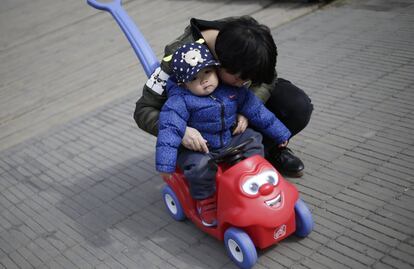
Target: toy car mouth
{"points": [[275, 202]]}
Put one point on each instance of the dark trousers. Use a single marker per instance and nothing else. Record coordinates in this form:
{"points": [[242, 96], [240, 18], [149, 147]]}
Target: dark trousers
{"points": [[291, 105], [200, 172]]}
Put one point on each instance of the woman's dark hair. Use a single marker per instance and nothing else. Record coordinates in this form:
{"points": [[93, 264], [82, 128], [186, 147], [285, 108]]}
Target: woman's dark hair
{"points": [[245, 47]]}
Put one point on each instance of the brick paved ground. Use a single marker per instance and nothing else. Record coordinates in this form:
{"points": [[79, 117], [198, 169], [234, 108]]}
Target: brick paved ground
{"points": [[85, 195]]}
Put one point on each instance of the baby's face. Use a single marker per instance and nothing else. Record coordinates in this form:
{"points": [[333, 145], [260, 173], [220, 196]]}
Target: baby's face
{"points": [[204, 83]]}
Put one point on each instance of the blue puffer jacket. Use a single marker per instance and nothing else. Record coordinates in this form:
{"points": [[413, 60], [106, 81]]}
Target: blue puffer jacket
{"points": [[213, 116]]}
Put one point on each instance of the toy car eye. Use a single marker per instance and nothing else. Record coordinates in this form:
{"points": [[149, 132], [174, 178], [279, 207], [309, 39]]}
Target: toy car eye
{"points": [[271, 179], [251, 186], [254, 187]]}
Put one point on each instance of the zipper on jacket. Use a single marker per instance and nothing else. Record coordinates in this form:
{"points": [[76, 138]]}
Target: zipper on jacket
{"points": [[222, 118]]}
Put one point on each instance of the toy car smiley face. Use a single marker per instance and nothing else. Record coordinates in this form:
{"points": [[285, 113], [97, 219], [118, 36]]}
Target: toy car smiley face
{"points": [[256, 194], [263, 185]]}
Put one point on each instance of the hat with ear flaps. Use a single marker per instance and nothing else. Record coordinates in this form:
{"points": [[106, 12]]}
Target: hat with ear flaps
{"points": [[189, 59]]}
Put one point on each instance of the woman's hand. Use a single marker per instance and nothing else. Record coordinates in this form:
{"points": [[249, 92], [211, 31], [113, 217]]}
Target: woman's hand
{"points": [[194, 141], [242, 124]]}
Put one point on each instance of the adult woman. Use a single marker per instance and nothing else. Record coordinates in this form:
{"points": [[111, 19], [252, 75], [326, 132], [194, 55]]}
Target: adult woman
{"points": [[247, 54]]}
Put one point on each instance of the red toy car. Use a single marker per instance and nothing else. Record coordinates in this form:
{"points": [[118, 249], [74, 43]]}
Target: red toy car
{"points": [[256, 206]]}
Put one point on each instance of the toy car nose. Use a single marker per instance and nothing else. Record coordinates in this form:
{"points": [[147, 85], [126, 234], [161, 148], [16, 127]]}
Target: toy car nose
{"points": [[266, 189]]}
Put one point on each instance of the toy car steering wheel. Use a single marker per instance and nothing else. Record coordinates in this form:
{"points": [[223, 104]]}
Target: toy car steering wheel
{"points": [[232, 155]]}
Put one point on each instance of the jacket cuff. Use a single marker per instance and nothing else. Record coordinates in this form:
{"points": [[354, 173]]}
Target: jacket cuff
{"points": [[165, 168]]}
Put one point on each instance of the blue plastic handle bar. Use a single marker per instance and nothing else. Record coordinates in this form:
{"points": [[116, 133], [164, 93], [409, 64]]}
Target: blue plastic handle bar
{"points": [[141, 47]]}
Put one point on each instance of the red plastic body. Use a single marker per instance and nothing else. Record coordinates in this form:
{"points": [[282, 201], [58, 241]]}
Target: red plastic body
{"points": [[265, 224]]}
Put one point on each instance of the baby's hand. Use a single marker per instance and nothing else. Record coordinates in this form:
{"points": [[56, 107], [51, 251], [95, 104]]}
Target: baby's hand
{"points": [[242, 124], [283, 145]]}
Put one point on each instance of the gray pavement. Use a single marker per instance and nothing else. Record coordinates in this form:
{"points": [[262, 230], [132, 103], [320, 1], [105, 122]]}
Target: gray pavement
{"points": [[86, 195]]}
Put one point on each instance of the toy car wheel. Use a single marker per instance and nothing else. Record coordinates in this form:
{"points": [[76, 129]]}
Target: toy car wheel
{"points": [[173, 204], [240, 248], [304, 221]]}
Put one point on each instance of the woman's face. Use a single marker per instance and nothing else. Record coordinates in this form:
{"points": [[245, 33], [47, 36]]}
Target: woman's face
{"points": [[232, 79]]}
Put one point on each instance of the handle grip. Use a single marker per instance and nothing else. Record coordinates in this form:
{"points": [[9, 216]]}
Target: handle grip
{"points": [[140, 45]]}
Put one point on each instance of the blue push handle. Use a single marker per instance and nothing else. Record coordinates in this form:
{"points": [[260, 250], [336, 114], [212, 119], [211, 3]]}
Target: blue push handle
{"points": [[141, 47]]}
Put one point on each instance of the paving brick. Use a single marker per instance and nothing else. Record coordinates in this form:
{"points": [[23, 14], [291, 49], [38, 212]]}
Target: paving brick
{"points": [[329, 228], [37, 251], [338, 219], [123, 205], [321, 185], [86, 255], [157, 250], [377, 235], [91, 222], [146, 259], [15, 237], [5, 246], [404, 255], [332, 176], [75, 206], [396, 169], [102, 266], [385, 176], [20, 261], [29, 257], [404, 202], [267, 262], [64, 262], [78, 261], [351, 207], [113, 263], [341, 255], [360, 247], [8, 263], [352, 253], [390, 222], [359, 200], [327, 261], [101, 192], [396, 263], [54, 265], [395, 186], [309, 263]]}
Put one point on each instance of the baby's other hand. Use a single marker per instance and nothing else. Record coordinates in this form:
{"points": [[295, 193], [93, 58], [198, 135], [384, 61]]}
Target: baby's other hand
{"points": [[242, 124], [193, 140]]}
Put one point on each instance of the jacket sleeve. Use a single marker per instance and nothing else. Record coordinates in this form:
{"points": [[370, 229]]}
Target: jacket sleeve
{"points": [[172, 123], [261, 118], [147, 110]]}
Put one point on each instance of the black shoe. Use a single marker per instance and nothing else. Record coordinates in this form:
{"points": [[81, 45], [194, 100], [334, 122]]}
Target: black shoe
{"points": [[285, 162]]}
